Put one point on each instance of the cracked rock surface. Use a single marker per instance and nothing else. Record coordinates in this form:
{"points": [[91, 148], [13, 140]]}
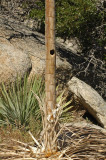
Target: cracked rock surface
{"points": [[31, 44], [89, 99], [21, 50]]}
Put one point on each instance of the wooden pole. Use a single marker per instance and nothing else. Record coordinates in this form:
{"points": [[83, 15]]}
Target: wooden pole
{"points": [[50, 87]]}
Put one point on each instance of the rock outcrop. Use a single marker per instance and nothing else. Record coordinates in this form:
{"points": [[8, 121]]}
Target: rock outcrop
{"points": [[21, 49], [89, 99], [13, 62], [19, 31]]}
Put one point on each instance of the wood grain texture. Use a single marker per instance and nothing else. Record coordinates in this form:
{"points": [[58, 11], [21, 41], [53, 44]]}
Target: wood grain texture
{"points": [[50, 87], [50, 59]]}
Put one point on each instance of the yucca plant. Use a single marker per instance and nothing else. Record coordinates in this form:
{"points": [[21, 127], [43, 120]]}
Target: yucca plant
{"points": [[23, 104], [64, 105], [18, 104]]}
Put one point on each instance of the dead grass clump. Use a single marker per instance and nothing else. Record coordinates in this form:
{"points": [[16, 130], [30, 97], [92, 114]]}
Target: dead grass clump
{"points": [[74, 143]]}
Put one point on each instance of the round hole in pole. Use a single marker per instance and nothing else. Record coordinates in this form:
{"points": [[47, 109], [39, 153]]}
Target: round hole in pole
{"points": [[52, 52]]}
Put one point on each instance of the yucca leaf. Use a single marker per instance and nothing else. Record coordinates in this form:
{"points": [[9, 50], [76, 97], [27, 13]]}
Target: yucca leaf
{"points": [[66, 104], [19, 103]]}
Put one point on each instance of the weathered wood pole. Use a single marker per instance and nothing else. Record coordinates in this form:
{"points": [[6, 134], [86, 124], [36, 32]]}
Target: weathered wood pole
{"points": [[50, 87]]}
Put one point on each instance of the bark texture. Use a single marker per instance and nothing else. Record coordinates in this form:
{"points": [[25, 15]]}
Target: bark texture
{"points": [[50, 75]]}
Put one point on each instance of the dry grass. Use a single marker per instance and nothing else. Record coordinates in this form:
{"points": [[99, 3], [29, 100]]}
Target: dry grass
{"points": [[84, 143], [74, 143]]}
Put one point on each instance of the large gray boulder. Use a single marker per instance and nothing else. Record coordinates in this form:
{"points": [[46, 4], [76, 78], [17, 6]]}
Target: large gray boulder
{"points": [[89, 99], [21, 41], [35, 48], [13, 62]]}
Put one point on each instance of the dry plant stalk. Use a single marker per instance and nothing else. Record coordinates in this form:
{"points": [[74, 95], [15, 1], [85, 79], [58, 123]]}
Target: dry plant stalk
{"points": [[75, 143], [50, 87], [41, 149]]}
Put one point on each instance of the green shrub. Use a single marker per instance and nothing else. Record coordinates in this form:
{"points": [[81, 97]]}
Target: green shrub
{"points": [[72, 15], [78, 18], [20, 108], [18, 105], [38, 12]]}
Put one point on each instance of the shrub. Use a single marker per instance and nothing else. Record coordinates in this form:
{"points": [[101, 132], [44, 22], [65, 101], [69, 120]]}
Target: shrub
{"points": [[20, 108], [84, 19], [18, 104]]}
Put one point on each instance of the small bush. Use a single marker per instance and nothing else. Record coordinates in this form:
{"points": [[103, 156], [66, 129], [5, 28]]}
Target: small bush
{"points": [[18, 105], [73, 17], [20, 108]]}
